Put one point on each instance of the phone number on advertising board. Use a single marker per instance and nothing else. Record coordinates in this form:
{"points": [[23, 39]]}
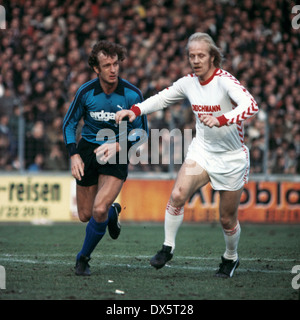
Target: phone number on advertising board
{"points": [[23, 212]]}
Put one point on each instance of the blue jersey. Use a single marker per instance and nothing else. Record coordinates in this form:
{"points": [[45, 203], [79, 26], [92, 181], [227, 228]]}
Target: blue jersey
{"points": [[98, 110]]}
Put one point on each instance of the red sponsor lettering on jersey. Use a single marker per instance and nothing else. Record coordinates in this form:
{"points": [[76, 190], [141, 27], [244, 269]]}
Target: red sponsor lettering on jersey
{"points": [[204, 108]]}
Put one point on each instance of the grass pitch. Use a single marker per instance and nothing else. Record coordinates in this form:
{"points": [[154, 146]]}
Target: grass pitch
{"points": [[39, 263]]}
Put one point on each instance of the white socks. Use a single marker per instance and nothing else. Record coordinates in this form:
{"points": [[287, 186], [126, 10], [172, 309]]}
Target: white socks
{"points": [[232, 237], [173, 220]]}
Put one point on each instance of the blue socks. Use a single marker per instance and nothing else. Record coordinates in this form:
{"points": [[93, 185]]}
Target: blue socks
{"points": [[94, 233]]}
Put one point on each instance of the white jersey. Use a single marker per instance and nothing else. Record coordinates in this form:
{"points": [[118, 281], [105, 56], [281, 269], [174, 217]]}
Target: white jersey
{"points": [[222, 96]]}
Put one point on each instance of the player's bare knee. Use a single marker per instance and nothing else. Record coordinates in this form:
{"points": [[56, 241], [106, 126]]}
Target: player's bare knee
{"points": [[84, 216], [228, 222], [100, 212], [177, 199]]}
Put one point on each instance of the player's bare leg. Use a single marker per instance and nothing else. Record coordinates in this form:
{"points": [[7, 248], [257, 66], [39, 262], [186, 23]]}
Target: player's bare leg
{"points": [[105, 193], [229, 202], [108, 189], [85, 201], [191, 177]]}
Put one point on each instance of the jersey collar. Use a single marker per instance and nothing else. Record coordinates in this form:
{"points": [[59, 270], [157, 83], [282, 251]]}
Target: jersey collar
{"points": [[203, 83], [119, 90]]}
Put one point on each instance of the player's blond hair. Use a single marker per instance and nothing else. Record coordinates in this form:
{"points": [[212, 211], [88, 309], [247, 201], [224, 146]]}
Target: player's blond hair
{"points": [[214, 51]]}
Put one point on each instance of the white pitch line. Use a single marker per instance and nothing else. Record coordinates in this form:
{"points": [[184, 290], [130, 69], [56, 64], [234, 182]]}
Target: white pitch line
{"points": [[30, 261], [117, 256], [212, 258], [134, 266]]}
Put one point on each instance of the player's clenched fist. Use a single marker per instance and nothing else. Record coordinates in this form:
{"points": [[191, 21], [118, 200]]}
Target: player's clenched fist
{"points": [[209, 121]]}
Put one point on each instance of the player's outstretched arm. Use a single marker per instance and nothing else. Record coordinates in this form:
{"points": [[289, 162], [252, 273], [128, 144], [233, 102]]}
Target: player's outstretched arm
{"points": [[129, 114]]}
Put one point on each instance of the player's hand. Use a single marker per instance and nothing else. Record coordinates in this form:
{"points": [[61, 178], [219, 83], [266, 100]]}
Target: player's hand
{"points": [[209, 121], [120, 115], [106, 151], [77, 167]]}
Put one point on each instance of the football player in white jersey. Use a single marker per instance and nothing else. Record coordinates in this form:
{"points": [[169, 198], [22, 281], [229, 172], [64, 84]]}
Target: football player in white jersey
{"points": [[217, 154]]}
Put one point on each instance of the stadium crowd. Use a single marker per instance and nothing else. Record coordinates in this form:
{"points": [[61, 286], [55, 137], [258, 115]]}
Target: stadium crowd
{"points": [[45, 47]]}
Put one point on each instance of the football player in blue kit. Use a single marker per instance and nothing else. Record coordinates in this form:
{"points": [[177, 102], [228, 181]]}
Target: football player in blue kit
{"points": [[99, 180]]}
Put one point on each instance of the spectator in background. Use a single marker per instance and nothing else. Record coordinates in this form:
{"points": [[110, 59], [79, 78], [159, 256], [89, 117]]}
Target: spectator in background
{"points": [[291, 160], [256, 160], [6, 157], [6, 131], [36, 144], [38, 163], [7, 101], [55, 160]]}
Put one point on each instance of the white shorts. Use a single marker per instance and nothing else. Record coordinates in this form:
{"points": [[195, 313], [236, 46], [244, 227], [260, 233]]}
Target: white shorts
{"points": [[227, 170]]}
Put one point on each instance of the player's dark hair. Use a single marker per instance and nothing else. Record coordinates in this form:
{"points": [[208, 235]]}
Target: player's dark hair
{"points": [[214, 51], [107, 48]]}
